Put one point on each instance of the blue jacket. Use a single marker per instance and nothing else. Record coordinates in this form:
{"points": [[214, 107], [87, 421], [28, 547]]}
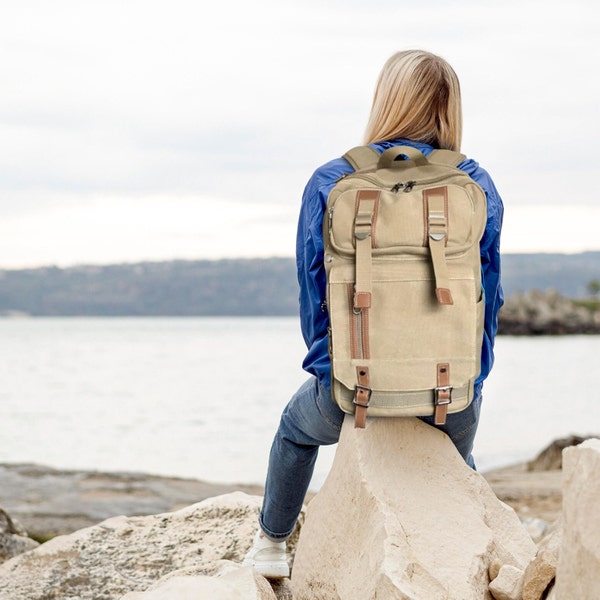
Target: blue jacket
{"points": [[311, 271]]}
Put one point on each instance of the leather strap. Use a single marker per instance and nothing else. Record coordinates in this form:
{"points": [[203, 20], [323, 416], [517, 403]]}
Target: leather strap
{"points": [[362, 396], [360, 346], [436, 227], [443, 394]]}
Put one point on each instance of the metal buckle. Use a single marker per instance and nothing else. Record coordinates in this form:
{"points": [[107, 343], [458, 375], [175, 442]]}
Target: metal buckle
{"points": [[443, 388], [363, 388]]}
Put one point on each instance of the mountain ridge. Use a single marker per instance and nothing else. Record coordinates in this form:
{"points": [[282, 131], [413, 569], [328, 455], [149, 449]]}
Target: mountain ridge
{"points": [[230, 287]]}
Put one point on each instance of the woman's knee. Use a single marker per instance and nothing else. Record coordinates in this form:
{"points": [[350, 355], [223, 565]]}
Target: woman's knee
{"points": [[311, 417]]}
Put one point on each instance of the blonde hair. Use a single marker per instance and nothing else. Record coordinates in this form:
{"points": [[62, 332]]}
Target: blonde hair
{"points": [[417, 97]]}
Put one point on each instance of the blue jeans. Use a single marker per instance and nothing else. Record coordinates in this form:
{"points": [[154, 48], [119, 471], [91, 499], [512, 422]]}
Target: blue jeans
{"points": [[312, 419]]}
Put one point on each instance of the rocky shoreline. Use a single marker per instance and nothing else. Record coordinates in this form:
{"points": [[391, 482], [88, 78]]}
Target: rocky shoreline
{"points": [[548, 313], [148, 528], [50, 502]]}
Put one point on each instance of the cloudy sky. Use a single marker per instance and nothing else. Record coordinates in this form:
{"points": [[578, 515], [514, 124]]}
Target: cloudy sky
{"points": [[153, 129]]}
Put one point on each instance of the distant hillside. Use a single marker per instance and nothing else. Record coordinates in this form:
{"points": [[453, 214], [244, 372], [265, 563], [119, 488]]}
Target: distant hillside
{"points": [[178, 288], [229, 287]]}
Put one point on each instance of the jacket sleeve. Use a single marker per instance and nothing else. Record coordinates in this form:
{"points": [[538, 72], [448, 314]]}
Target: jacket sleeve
{"points": [[314, 318], [490, 267], [311, 278]]}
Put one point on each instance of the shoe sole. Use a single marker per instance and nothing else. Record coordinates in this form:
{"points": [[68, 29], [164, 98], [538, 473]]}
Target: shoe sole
{"points": [[272, 570]]}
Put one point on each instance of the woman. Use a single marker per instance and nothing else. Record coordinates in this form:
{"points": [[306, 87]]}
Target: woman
{"points": [[416, 103]]}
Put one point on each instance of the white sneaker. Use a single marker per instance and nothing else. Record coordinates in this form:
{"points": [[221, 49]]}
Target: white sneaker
{"points": [[268, 558]]}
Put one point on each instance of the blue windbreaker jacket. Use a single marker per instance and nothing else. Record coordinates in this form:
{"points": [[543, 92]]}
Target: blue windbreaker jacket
{"points": [[311, 270]]}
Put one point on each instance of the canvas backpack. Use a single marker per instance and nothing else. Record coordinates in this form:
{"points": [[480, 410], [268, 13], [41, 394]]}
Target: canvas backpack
{"points": [[404, 290]]}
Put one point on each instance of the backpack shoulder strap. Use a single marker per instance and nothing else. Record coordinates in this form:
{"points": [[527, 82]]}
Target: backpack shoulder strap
{"points": [[362, 157], [446, 157]]}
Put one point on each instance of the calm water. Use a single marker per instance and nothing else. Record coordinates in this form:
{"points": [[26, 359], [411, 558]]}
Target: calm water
{"points": [[201, 397]]}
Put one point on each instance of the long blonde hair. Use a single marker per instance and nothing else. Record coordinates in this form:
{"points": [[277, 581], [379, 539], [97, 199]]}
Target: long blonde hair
{"points": [[417, 97]]}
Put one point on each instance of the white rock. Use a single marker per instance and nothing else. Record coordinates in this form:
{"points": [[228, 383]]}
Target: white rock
{"points": [[508, 585], [401, 516], [241, 584], [124, 554], [578, 570]]}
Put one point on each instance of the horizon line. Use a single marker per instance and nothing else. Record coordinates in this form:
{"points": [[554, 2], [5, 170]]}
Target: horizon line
{"points": [[141, 261]]}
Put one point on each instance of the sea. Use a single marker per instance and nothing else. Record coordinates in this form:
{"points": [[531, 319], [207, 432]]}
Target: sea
{"points": [[201, 397]]}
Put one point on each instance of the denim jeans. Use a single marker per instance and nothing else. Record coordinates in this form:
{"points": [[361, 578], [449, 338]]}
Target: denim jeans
{"points": [[312, 419]]}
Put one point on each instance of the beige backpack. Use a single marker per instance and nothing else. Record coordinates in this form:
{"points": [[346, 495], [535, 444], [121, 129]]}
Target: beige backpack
{"points": [[404, 291]]}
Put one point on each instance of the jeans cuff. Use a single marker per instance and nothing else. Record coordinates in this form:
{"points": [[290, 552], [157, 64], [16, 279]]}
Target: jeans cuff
{"points": [[274, 537]]}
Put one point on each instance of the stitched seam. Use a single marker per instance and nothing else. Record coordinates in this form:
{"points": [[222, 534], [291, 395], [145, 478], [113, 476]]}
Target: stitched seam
{"points": [[325, 417]]}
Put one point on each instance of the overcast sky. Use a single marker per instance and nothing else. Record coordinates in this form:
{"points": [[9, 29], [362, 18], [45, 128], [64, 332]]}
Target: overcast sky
{"points": [[135, 130]]}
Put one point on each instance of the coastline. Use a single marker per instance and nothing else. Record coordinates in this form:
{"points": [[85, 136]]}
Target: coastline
{"points": [[50, 502]]}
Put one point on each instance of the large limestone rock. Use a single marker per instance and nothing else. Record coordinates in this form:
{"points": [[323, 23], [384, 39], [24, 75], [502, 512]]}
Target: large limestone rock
{"points": [[13, 538], [402, 517], [578, 570], [124, 554]]}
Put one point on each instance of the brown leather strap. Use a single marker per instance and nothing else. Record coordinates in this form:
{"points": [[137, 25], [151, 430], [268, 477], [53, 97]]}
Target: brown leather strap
{"points": [[443, 394], [362, 395]]}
